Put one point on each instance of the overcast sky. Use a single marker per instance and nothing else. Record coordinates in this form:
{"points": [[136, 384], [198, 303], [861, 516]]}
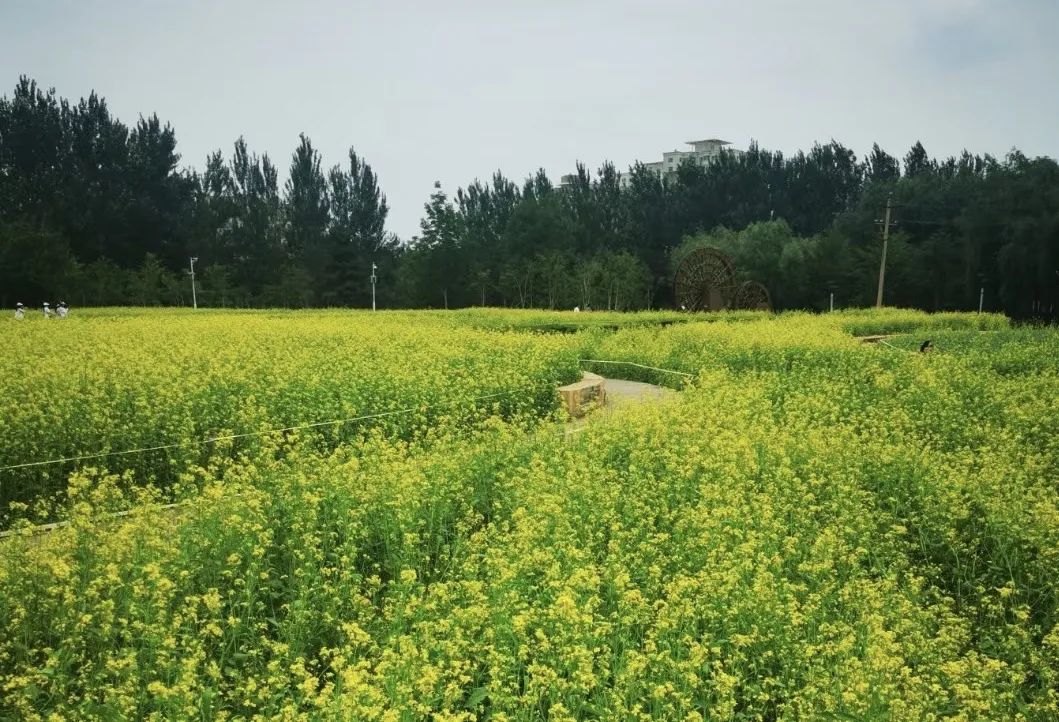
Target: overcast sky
{"points": [[454, 90]]}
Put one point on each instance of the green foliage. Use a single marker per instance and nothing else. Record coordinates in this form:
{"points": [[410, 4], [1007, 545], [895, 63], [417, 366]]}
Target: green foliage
{"points": [[357, 233], [80, 193], [814, 528]]}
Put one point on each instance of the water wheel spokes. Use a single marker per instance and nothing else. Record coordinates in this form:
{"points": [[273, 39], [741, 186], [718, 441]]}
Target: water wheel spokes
{"points": [[705, 280], [752, 296]]}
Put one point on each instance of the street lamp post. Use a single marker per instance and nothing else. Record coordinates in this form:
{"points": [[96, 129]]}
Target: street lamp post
{"points": [[373, 269], [194, 299]]}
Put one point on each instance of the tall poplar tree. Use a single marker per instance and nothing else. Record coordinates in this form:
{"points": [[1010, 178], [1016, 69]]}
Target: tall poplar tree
{"points": [[307, 207]]}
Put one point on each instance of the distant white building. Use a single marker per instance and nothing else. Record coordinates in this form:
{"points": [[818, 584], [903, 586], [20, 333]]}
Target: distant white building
{"points": [[704, 152]]}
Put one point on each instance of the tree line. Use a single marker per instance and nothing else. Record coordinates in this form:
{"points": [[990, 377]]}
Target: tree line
{"points": [[100, 213]]}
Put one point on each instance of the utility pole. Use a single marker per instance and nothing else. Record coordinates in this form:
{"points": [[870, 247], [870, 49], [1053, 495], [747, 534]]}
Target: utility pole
{"points": [[373, 269], [194, 300], [885, 240]]}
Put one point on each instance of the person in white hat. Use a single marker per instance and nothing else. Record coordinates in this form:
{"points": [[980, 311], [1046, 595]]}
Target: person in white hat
{"points": [[62, 309], [20, 311], [47, 310]]}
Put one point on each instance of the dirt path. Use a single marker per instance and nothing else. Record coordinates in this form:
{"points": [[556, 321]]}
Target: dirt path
{"points": [[622, 392]]}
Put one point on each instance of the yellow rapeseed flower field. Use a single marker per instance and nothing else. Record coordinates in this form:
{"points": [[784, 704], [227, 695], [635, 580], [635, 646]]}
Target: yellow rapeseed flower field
{"points": [[114, 381], [815, 528]]}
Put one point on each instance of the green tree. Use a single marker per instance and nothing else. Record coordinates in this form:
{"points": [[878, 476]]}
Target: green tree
{"points": [[293, 287], [880, 166], [102, 283], [440, 238], [552, 275], [217, 287], [147, 285], [516, 282], [484, 212], [590, 280], [35, 264], [243, 219], [537, 226], [357, 230], [918, 162], [626, 281], [307, 209]]}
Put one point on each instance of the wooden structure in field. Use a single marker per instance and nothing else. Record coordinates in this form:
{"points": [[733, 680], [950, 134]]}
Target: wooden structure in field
{"points": [[580, 396], [706, 281]]}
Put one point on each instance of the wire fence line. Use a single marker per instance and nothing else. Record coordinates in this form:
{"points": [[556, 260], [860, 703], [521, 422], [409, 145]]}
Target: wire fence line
{"points": [[895, 348], [564, 433], [231, 437], [191, 443], [633, 363], [38, 529], [173, 507]]}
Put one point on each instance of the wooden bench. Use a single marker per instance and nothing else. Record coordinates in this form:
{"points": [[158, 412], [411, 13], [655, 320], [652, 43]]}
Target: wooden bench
{"points": [[578, 396]]}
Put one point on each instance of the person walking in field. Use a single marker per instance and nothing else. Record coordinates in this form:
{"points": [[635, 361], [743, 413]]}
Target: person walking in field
{"points": [[62, 309], [20, 311], [47, 310]]}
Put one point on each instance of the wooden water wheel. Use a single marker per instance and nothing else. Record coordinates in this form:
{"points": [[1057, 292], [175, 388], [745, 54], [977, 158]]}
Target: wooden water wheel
{"points": [[705, 281], [752, 296]]}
